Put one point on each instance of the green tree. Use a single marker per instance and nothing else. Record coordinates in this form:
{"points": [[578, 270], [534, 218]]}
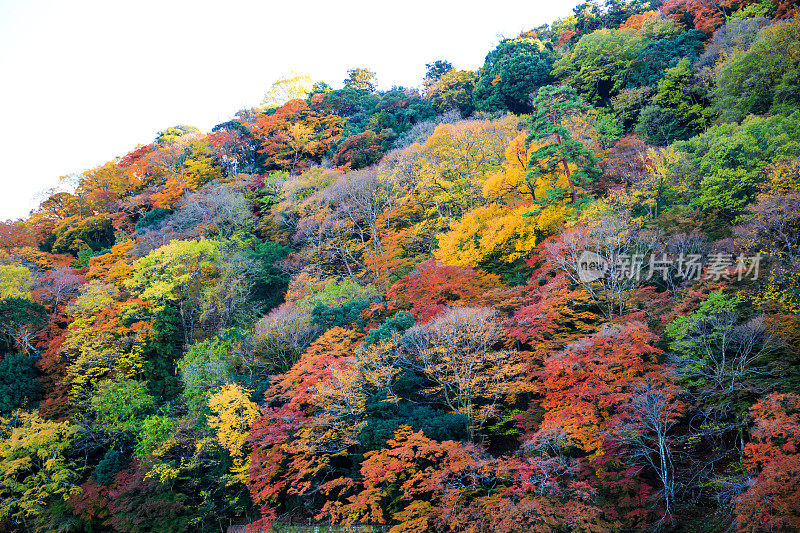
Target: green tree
{"points": [[35, 469], [650, 63], [397, 324], [121, 404], [154, 430], [511, 73], [764, 78], [551, 106], [728, 163], [597, 65], [161, 352], [18, 381], [453, 90], [437, 69], [205, 366], [112, 462], [676, 112], [173, 132], [178, 273]]}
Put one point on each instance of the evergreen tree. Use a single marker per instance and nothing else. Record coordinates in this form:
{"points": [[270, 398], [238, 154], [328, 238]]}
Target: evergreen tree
{"points": [[551, 106], [18, 382], [161, 353]]}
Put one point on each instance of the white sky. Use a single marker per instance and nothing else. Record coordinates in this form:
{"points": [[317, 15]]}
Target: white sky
{"points": [[84, 81]]}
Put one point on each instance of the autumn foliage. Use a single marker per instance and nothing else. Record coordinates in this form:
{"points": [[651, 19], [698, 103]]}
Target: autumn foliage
{"points": [[555, 293]]}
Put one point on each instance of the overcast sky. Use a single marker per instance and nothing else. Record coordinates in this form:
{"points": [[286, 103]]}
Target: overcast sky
{"points": [[82, 82]]}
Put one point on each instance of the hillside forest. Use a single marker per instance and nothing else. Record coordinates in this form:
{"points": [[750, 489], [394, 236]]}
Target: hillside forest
{"points": [[558, 293]]}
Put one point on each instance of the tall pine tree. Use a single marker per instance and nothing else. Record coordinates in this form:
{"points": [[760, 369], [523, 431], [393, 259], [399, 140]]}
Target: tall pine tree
{"points": [[551, 106]]}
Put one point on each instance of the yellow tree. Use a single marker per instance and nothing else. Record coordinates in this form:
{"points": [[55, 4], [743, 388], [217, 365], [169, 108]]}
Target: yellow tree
{"points": [[15, 281], [105, 185], [289, 87], [178, 273], [447, 172], [105, 342], [35, 468], [233, 414], [512, 222]]}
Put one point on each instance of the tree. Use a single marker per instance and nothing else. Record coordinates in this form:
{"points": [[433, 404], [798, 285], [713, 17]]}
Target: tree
{"points": [[598, 63], [584, 389], [161, 351], [434, 71], [627, 160], [728, 162], [772, 223], [676, 112], [736, 35], [57, 286], [105, 343], [112, 267], [607, 242], [172, 133], [362, 198], [447, 172], [513, 71], [267, 281], [764, 78], [296, 134], [178, 272], [227, 302], [233, 414], [453, 91], [295, 444], [773, 456], [511, 223], [455, 352], [360, 78], [400, 322], [16, 234], [36, 468], [281, 337], [290, 87], [553, 314], [432, 286], [235, 148], [363, 149], [105, 185], [16, 281], [652, 60], [154, 431], [645, 430], [120, 405], [551, 107], [403, 482], [205, 367], [720, 356], [137, 501], [18, 382], [496, 237], [20, 322]]}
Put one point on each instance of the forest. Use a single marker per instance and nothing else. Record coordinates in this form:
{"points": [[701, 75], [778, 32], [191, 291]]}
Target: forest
{"points": [[559, 293]]}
